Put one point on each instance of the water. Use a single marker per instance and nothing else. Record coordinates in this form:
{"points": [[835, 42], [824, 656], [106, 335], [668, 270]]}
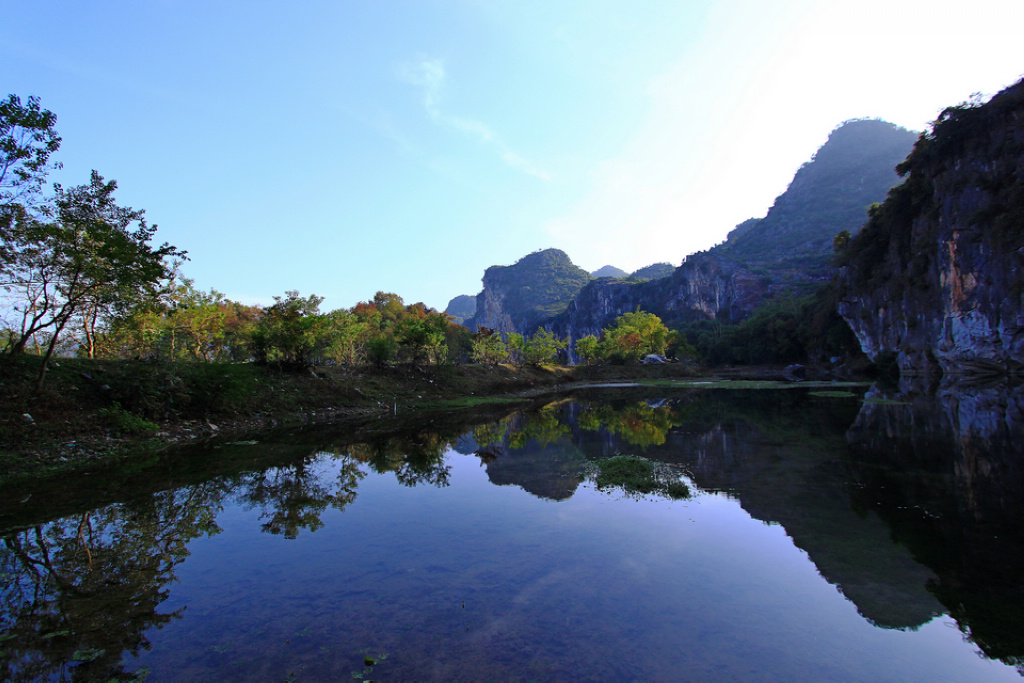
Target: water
{"points": [[824, 538]]}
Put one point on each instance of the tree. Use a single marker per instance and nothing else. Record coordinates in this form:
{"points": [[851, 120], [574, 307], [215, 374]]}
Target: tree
{"points": [[542, 348], [424, 337], [516, 348], [380, 350], [488, 348], [587, 349], [27, 139], [94, 253], [634, 335], [293, 333]]}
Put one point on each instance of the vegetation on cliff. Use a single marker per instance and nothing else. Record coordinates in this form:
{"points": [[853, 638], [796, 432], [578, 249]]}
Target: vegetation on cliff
{"points": [[829, 194], [519, 297], [935, 276], [898, 231]]}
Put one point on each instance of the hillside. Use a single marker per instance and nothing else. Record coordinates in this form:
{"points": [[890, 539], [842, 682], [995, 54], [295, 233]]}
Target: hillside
{"points": [[935, 279], [830, 193], [789, 251], [655, 271], [521, 296]]}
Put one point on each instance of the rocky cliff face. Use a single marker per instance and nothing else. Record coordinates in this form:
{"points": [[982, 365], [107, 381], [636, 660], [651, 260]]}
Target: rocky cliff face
{"points": [[936, 277], [519, 297], [788, 250], [704, 286], [461, 308]]}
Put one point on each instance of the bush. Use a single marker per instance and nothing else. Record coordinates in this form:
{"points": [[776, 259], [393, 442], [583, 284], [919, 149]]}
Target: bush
{"points": [[124, 422]]}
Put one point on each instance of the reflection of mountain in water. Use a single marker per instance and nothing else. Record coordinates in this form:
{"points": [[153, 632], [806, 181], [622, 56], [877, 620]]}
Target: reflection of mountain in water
{"points": [[911, 507], [781, 454], [784, 462], [532, 451], [945, 470]]}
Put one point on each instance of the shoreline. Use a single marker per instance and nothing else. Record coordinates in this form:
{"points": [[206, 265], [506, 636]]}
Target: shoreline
{"points": [[91, 414]]}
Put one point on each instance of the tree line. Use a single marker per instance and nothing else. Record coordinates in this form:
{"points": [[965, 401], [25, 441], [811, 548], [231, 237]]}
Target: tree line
{"points": [[81, 275]]}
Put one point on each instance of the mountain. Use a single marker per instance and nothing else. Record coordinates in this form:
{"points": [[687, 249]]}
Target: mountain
{"points": [[610, 271], [520, 297], [787, 251], [655, 271], [461, 308], [936, 277], [829, 194]]}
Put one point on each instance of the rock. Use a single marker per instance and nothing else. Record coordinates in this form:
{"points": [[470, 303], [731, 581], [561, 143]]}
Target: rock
{"points": [[520, 297], [935, 279]]}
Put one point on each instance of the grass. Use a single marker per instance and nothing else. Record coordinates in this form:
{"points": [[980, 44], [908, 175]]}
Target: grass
{"points": [[637, 476]]}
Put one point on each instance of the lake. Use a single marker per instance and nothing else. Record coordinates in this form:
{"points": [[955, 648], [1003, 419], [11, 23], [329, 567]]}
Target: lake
{"points": [[785, 534]]}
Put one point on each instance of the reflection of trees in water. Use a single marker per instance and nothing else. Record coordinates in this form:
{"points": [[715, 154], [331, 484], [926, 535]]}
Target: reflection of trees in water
{"points": [[78, 592], [414, 460], [640, 424], [543, 427], [543, 451], [294, 496]]}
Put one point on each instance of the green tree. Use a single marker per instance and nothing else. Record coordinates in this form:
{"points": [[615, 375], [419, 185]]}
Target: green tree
{"points": [[587, 349], [380, 350], [94, 253], [542, 348], [293, 333], [635, 335], [488, 348], [27, 139], [424, 337], [516, 348]]}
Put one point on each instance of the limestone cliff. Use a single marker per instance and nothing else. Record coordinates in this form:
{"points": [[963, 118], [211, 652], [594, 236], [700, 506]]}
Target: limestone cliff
{"points": [[936, 277], [704, 286], [519, 297], [461, 308], [786, 251]]}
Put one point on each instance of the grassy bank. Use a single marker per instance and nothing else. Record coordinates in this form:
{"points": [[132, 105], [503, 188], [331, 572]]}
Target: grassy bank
{"points": [[89, 412]]}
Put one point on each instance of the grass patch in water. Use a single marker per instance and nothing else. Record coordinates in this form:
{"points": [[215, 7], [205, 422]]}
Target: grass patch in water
{"points": [[833, 394], [717, 383], [636, 476], [470, 402]]}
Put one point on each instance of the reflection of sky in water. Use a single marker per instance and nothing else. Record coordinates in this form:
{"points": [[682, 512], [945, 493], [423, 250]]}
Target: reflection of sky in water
{"points": [[476, 581]]}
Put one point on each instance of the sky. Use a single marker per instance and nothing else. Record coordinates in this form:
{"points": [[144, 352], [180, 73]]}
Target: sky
{"points": [[341, 148]]}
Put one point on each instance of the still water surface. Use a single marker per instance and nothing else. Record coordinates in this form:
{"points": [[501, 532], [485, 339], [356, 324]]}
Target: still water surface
{"points": [[824, 538]]}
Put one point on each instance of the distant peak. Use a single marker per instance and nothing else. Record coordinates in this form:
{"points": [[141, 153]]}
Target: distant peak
{"points": [[610, 271]]}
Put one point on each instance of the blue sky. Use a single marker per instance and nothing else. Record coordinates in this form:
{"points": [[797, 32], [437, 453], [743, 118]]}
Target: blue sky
{"points": [[341, 148]]}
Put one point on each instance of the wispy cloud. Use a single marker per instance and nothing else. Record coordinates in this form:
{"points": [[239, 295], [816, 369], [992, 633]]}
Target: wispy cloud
{"points": [[429, 75]]}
